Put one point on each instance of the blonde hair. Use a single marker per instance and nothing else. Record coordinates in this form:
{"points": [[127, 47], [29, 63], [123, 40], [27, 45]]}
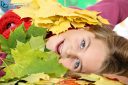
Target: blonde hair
{"points": [[116, 61]]}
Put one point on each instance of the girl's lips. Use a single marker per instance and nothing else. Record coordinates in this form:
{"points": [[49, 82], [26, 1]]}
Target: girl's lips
{"points": [[59, 47]]}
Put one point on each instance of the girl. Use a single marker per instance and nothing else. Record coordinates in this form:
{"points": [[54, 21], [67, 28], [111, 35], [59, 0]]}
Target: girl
{"points": [[94, 50]]}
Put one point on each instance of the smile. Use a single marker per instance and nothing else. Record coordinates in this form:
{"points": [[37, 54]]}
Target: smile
{"points": [[59, 47]]}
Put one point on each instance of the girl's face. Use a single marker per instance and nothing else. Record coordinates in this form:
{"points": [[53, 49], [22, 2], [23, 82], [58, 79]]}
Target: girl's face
{"points": [[79, 50]]}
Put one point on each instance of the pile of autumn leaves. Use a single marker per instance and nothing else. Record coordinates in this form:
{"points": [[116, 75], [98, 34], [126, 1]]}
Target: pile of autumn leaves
{"points": [[50, 14]]}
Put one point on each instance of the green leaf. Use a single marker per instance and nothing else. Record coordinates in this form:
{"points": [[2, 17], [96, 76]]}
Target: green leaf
{"points": [[36, 31], [4, 44], [8, 60], [18, 34], [37, 42], [29, 60]]}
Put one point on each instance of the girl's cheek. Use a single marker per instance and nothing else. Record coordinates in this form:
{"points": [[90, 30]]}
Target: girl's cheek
{"points": [[50, 43], [67, 62]]}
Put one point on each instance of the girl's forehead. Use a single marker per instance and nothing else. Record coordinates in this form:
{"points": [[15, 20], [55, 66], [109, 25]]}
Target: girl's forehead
{"points": [[77, 31]]}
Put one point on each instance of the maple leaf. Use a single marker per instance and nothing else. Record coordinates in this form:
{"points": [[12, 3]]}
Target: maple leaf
{"points": [[19, 34], [30, 59], [57, 18]]}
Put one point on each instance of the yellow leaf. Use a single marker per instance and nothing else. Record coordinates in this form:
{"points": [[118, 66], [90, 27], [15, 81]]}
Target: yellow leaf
{"points": [[23, 12], [63, 26], [43, 25], [47, 82], [90, 77], [67, 12], [43, 20], [34, 4], [86, 13], [78, 25], [103, 20], [98, 80], [61, 19], [50, 14], [105, 81], [54, 18], [20, 1], [48, 8], [33, 78], [83, 82]]}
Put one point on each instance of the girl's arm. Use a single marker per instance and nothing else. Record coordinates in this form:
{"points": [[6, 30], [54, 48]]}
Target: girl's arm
{"points": [[113, 10], [122, 28]]}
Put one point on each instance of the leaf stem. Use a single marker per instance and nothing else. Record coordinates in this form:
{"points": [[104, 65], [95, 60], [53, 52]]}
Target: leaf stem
{"points": [[12, 73]]}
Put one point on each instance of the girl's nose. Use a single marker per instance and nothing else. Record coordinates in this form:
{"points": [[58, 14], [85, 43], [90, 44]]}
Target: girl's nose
{"points": [[71, 52]]}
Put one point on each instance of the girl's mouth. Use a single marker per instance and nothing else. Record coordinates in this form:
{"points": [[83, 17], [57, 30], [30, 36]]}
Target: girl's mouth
{"points": [[59, 47]]}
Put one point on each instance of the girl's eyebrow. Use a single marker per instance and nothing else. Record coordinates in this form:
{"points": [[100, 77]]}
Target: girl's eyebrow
{"points": [[89, 43]]}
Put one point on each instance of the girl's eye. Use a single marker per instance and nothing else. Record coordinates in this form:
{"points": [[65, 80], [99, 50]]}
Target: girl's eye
{"points": [[82, 44], [77, 64]]}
